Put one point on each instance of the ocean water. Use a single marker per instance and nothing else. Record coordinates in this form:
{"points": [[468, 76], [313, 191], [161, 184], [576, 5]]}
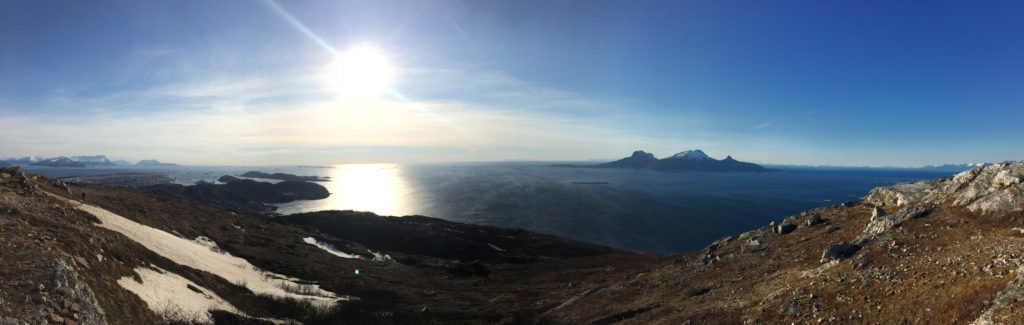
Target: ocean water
{"points": [[631, 209]]}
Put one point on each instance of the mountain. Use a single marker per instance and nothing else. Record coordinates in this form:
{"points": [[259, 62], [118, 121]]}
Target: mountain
{"points": [[691, 154], [639, 160], [62, 161], [24, 160], [121, 162], [690, 160], [58, 162], [951, 167], [97, 160], [153, 162]]}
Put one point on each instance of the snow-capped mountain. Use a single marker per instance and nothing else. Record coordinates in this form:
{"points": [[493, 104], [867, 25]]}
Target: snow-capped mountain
{"points": [[61, 161], [97, 160], [690, 154]]}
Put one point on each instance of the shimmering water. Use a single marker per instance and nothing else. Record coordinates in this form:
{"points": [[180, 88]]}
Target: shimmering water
{"points": [[633, 209]]}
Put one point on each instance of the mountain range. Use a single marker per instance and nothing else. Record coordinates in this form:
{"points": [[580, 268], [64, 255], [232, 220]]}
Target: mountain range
{"points": [[690, 160], [75, 161]]}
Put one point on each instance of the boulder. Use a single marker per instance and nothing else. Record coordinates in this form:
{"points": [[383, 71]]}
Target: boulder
{"points": [[884, 222], [784, 228], [814, 220], [876, 212], [839, 251]]}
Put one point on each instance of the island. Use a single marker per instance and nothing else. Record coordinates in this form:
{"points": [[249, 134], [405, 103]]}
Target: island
{"points": [[153, 162], [284, 177], [690, 160]]}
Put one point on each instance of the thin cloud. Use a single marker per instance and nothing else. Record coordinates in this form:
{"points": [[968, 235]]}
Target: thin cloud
{"points": [[768, 123]]}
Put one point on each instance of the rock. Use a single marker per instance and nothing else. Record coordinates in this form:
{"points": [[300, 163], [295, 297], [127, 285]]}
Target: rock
{"points": [[883, 222], [784, 228], [839, 251], [55, 319], [989, 189], [831, 228], [81, 261], [719, 243], [860, 263], [876, 212], [814, 220], [849, 204]]}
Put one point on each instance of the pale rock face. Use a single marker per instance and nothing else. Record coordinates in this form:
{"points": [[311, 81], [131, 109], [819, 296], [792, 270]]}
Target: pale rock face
{"points": [[882, 223], [988, 189]]}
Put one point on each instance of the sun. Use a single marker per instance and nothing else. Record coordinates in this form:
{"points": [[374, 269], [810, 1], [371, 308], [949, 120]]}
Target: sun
{"points": [[360, 71]]}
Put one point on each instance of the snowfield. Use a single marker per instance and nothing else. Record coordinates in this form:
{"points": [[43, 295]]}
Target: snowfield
{"points": [[168, 294], [329, 248], [167, 290]]}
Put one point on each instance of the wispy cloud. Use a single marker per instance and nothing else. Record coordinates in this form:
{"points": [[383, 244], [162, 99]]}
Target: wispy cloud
{"points": [[768, 123], [229, 121]]}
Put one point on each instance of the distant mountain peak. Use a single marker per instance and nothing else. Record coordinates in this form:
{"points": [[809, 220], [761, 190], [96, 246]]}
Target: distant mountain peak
{"points": [[691, 154], [690, 160], [642, 154]]}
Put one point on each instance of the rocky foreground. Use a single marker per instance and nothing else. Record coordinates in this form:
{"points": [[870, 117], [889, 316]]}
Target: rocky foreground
{"points": [[946, 251]]}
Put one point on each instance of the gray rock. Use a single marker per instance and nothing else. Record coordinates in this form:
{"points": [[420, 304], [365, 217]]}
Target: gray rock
{"points": [[814, 220], [784, 228], [882, 223], [860, 263], [876, 212], [839, 251], [989, 189]]}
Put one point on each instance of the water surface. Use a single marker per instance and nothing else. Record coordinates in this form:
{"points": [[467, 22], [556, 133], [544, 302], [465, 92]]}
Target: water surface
{"points": [[632, 209]]}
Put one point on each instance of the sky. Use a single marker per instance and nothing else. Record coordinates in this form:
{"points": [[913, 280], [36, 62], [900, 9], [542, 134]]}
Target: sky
{"points": [[853, 83]]}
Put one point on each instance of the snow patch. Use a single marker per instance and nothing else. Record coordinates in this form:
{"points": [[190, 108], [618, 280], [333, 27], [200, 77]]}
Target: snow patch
{"points": [[329, 248], [378, 257], [495, 247], [169, 294], [200, 256], [691, 154]]}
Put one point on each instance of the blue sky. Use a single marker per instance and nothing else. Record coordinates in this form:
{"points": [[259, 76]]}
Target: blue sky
{"points": [[242, 82]]}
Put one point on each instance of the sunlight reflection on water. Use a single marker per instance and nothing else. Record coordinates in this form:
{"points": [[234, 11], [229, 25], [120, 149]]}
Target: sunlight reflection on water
{"points": [[379, 188]]}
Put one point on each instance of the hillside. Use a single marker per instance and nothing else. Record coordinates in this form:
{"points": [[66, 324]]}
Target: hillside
{"points": [[173, 244], [938, 251]]}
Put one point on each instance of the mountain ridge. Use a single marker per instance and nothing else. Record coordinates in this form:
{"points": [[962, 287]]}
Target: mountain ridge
{"points": [[689, 160]]}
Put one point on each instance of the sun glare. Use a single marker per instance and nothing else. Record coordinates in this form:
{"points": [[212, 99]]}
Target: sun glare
{"points": [[360, 71]]}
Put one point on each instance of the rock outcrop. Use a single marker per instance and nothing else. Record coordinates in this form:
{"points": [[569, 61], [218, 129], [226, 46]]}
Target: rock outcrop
{"points": [[989, 189]]}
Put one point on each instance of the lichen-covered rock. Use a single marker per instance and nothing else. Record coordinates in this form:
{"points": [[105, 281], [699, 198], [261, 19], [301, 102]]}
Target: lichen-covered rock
{"points": [[876, 212], [989, 189], [901, 194], [883, 222]]}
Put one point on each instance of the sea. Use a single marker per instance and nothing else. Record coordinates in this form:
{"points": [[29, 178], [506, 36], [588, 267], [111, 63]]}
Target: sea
{"points": [[639, 210]]}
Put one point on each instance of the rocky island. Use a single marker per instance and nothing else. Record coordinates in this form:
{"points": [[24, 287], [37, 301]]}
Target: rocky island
{"points": [[690, 160]]}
